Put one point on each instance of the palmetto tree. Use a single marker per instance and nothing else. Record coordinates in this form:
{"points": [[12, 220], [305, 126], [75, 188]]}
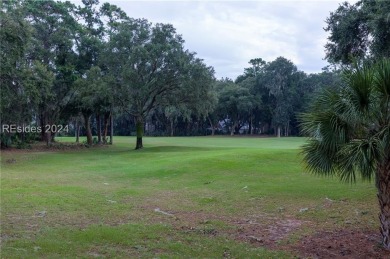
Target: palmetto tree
{"points": [[349, 133]]}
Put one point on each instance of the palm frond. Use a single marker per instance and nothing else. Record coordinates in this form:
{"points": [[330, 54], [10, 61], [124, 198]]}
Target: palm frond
{"points": [[358, 156], [349, 129], [317, 158], [382, 79], [359, 90]]}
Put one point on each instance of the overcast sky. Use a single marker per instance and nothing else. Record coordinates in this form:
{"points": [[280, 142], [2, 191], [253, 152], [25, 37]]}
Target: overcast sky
{"points": [[227, 34]]}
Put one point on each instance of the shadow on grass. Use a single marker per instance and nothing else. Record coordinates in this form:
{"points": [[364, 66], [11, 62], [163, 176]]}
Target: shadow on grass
{"points": [[177, 149]]}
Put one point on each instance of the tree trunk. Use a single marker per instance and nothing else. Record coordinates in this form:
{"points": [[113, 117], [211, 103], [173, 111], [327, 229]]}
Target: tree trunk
{"points": [[87, 124], [140, 131], [46, 133], [99, 128], [278, 132], [106, 120], [48, 137], [232, 129], [251, 126], [171, 127], [111, 128], [53, 136], [187, 128], [383, 184], [237, 128], [77, 132], [212, 127], [42, 124], [288, 128]]}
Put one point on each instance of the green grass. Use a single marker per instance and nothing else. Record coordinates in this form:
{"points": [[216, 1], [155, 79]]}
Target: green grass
{"points": [[101, 202]]}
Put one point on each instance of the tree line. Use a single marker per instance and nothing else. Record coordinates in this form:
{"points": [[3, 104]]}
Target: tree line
{"points": [[63, 63], [101, 72]]}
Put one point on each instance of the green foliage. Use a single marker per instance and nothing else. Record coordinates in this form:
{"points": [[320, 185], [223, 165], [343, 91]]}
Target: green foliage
{"points": [[91, 91], [63, 63], [152, 70], [236, 103], [350, 128], [280, 92], [279, 81], [15, 106], [360, 30]]}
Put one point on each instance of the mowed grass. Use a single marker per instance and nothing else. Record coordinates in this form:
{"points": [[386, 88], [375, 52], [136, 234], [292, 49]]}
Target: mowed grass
{"points": [[177, 198]]}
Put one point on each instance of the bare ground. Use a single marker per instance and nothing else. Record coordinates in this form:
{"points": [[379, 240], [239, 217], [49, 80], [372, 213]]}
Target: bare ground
{"points": [[274, 233], [260, 230], [341, 244]]}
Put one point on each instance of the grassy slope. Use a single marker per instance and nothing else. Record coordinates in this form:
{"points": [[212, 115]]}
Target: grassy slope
{"points": [[101, 201]]}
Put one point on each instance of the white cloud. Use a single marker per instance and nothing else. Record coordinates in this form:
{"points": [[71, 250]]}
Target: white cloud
{"points": [[227, 34]]}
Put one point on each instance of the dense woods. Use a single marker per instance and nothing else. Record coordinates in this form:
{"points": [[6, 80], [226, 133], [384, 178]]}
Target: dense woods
{"points": [[91, 70]]}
